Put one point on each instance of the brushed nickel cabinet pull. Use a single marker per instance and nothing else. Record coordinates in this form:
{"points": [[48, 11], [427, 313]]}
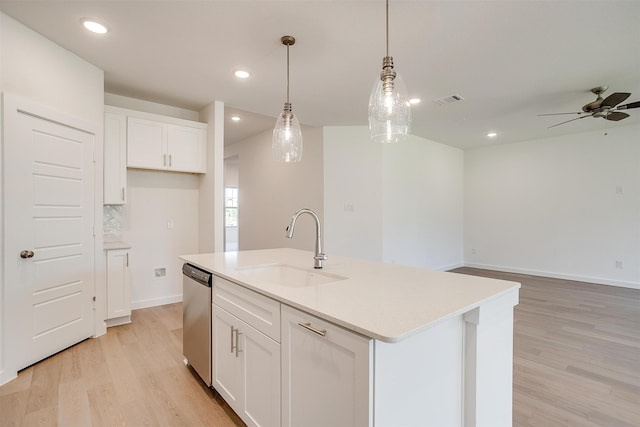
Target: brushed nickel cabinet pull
{"points": [[238, 342], [307, 325], [235, 347]]}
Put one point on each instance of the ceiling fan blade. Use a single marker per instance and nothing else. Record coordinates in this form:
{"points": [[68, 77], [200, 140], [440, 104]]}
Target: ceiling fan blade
{"points": [[616, 116], [629, 105], [558, 114], [577, 118], [614, 99]]}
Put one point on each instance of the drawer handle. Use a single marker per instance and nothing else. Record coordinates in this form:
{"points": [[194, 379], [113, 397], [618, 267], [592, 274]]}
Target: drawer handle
{"points": [[307, 325], [235, 347]]}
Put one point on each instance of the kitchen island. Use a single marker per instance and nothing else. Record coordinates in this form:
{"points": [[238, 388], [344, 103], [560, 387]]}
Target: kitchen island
{"points": [[358, 342]]}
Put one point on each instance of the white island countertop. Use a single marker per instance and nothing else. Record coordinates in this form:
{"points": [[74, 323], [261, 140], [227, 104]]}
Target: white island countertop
{"points": [[381, 301]]}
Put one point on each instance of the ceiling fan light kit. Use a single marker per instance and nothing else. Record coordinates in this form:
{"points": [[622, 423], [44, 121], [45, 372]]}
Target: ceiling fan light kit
{"points": [[389, 107], [286, 145], [606, 108]]}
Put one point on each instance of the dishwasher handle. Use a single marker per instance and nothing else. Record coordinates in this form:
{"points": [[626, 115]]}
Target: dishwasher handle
{"points": [[197, 274]]}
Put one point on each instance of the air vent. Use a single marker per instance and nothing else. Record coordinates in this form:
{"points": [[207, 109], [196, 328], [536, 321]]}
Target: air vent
{"points": [[448, 99]]}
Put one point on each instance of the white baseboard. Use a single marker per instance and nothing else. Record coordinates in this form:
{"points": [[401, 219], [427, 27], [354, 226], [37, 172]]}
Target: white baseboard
{"points": [[154, 302], [598, 280]]}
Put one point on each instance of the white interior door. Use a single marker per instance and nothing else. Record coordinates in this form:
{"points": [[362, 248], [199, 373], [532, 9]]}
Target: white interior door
{"points": [[49, 236]]}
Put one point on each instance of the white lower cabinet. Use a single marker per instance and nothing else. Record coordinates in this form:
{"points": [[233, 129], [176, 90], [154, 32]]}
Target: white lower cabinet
{"points": [[118, 287], [326, 372], [246, 369], [319, 374]]}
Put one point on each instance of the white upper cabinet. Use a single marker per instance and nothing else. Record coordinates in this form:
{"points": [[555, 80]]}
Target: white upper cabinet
{"points": [[186, 148], [146, 144], [157, 142], [115, 159]]}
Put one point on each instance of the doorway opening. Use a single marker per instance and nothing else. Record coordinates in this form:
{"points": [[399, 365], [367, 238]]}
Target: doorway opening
{"points": [[231, 206]]}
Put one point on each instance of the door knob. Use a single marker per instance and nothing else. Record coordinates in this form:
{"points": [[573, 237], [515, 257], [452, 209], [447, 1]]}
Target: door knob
{"points": [[27, 254]]}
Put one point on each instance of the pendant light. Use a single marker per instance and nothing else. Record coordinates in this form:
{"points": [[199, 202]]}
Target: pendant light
{"points": [[389, 109], [287, 137]]}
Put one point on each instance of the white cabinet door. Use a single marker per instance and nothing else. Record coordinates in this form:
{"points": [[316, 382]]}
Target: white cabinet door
{"points": [[115, 159], [246, 369], [261, 362], [146, 144], [325, 373], [186, 148], [118, 285], [227, 366]]}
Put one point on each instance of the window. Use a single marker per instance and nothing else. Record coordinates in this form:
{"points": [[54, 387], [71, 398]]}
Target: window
{"points": [[231, 207]]}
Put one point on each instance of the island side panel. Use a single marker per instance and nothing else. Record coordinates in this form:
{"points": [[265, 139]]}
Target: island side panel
{"points": [[488, 363], [419, 380]]}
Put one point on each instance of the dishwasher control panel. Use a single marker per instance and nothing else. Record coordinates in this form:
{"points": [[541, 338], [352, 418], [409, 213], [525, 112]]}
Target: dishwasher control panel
{"points": [[197, 274]]}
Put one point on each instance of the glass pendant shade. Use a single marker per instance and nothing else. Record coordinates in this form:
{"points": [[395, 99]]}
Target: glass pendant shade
{"points": [[286, 144], [389, 110]]}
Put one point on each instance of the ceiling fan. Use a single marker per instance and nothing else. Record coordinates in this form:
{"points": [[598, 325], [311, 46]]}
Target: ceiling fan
{"points": [[606, 108]]}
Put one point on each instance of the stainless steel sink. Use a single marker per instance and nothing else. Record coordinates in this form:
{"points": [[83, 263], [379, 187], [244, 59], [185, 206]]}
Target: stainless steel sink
{"points": [[288, 275]]}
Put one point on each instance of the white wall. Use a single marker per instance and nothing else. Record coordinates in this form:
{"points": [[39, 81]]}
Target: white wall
{"points": [[399, 203], [423, 190], [150, 107], [353, 196], [37, 69], [155, 200], [270, 192], [211, 221], [551, 207]]}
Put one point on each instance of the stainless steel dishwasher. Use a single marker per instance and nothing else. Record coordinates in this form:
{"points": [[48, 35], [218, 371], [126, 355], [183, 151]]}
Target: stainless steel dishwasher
{"points": [[196, 320]]}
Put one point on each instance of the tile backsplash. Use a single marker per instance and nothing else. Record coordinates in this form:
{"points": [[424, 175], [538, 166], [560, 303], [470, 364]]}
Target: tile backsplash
{"points": [[112, 219]]}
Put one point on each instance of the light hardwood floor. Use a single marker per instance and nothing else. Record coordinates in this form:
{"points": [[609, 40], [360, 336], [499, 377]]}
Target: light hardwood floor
{"points": [[576, 353], [576, 363], [132, 376]]}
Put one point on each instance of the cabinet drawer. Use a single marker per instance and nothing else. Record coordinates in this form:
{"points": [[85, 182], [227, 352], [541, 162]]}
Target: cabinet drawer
{"points": [[259, 311]]}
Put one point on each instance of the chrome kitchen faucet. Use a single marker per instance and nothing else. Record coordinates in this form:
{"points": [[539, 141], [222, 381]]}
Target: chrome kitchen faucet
{"points": [[319, 257]]}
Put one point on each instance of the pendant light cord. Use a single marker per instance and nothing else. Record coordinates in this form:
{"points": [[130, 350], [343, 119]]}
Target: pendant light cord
{"points": [[287, 73], [387, 14]]}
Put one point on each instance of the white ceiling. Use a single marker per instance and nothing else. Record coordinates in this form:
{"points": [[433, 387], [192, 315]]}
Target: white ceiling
{"points": [[509, 60]]}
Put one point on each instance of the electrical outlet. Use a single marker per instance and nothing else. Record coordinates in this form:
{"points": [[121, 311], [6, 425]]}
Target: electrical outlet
{"points": [[473, 251], [619, 189], [159, 272], [619, 264]]}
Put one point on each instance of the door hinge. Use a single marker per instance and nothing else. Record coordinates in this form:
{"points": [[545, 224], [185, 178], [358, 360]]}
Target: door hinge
{"points": [[94, 299]]}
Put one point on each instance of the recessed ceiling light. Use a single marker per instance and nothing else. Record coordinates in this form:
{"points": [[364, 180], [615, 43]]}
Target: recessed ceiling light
{"points": [[414, 101], [235, 118], [492, 134], [241, 74], [95, 26]]}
